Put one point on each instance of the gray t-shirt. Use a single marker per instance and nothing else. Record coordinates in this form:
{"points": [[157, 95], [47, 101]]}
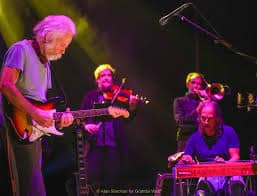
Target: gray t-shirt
{"points": [[35, 77]]}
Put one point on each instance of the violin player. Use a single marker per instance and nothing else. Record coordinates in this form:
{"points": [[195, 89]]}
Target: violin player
{"points": [[106, 138]]}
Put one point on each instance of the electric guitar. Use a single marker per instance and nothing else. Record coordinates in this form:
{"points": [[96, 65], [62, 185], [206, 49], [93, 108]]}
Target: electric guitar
{"points": [[27, 128]]}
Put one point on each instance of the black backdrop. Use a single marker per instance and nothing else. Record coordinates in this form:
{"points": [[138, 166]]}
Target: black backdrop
{"points": [[155, 60]]}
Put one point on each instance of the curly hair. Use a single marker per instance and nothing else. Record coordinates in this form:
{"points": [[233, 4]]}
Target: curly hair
{"points": [[60, 23], [102, 67], [193, 75]]}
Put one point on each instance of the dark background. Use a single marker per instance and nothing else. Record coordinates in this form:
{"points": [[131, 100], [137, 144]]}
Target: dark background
{"points": [[155, 60]]}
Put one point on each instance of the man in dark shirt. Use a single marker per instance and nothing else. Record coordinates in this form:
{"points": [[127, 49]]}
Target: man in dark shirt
{"points": [[107, 137], [185, 109]]}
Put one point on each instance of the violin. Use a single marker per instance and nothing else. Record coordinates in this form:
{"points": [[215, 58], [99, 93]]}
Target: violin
{"points": [[122, 95]]}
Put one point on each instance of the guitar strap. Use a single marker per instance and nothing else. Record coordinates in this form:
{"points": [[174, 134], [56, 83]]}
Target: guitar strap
{"points": [[59, 89], [35, 46], [60, 92]]}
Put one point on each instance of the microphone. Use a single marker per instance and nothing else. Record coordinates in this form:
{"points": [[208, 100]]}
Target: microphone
{"points": [[164, 20]]}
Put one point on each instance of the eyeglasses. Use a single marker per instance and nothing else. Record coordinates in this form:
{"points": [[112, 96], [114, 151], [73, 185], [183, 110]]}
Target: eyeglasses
{"points": [[207, 118], [194, 82]]}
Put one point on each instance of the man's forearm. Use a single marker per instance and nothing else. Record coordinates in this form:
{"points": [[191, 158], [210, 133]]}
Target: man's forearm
{"points": [[14, 96]]}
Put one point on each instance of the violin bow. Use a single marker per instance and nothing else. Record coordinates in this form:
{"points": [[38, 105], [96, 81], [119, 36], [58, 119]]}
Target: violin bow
{"points": [[115, 96], [119, 89]]}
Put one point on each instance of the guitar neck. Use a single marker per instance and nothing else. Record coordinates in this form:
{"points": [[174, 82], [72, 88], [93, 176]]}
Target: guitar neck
{"points": [[83, 113]]}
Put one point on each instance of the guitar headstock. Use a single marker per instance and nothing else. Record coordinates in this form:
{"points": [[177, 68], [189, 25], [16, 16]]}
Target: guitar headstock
{"points": [[116, 112]]}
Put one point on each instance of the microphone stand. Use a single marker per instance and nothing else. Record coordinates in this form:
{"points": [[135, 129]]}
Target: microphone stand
{"points": [[218, 40]]}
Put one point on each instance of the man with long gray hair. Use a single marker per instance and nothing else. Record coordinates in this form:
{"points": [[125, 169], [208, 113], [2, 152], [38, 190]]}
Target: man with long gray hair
{"points": [[24, 81]]}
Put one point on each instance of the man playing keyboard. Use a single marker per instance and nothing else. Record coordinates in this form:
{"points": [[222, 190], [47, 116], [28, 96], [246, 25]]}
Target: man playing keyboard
{"points": [[214, 142]]}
